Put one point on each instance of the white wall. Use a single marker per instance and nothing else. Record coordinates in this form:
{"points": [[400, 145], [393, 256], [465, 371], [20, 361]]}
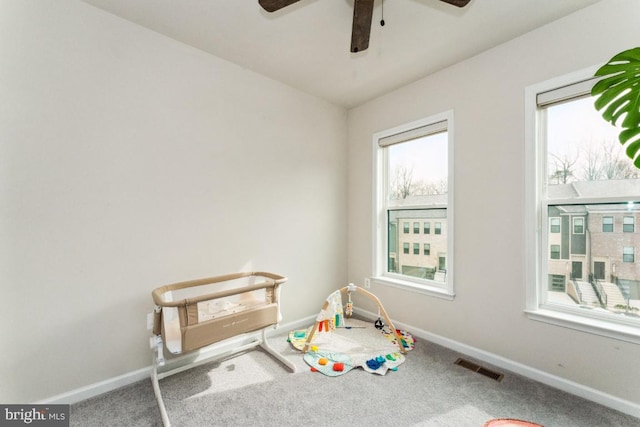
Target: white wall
{"points": [[129, 161], [487, 96]]}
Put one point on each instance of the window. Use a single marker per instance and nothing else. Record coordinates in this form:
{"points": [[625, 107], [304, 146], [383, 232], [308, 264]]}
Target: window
{"points": [[578, 225], [405, 248], [580, 184], [556, 282], [413, 185]]}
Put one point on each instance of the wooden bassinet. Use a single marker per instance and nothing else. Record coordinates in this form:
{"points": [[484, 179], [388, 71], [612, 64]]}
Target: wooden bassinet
{"points": [[191, 315], [195, 314]]}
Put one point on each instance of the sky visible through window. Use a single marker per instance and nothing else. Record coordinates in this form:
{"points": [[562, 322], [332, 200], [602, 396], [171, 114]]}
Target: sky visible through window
{"points": [[581, 143], [427, 160]]}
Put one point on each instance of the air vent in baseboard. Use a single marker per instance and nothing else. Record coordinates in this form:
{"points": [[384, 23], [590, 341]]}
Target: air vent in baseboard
{"points": [[479, 369]]}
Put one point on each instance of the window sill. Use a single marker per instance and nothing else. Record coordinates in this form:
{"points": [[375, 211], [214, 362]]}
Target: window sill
{"points": [[628, 333], [406, 285]]}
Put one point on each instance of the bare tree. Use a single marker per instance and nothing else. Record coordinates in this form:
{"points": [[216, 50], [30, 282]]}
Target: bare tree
{"points": [[429, 188], [562, 170], [401, 184], [437, 187], [615, 165], [592, 167]]}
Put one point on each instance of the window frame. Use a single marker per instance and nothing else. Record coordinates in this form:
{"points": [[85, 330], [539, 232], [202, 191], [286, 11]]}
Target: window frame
{"points": [[380, 274], [537, 307]]}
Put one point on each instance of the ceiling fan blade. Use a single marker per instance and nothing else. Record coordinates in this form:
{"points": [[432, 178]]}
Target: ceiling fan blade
{"points": [[459, 3], [361, 28], [273, 5]]}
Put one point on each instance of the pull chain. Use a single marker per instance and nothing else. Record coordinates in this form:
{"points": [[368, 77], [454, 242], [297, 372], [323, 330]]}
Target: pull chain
{"points": [[382, 13]]}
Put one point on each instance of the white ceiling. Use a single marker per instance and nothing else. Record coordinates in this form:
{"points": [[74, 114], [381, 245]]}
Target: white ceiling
{"points": [[306, 45]]}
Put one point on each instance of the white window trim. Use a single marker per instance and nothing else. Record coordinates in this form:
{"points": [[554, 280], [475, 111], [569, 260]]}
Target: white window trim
{"points": [[554, 314], [380, 274]]}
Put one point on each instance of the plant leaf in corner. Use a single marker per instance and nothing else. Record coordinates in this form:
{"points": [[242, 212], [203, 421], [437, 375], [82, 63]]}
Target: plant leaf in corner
{"points": [[618, 95], [619, 90]]}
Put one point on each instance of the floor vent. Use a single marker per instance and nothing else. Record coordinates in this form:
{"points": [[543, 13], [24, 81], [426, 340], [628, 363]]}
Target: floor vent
{"points": [[479, 369]]}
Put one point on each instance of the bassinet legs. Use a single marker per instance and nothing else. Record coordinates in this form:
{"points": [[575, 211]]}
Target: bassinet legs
{"points": [[267, 347], [158, 360]]}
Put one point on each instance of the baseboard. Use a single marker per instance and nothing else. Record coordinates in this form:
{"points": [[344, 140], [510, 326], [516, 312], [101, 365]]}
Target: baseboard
{"points": [[96, 389], [209, 354], [574, 388]]}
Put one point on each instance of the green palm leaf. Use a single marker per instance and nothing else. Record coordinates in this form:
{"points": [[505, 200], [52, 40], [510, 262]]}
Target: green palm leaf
{"points": [[631, 138], [618, 97]]}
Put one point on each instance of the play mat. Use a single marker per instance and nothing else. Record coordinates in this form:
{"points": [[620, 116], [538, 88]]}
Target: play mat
{"points": [[334, 345]]}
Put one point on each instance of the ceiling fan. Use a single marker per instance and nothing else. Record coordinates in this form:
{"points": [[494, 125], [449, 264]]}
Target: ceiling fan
{"points": [[362, 14]]}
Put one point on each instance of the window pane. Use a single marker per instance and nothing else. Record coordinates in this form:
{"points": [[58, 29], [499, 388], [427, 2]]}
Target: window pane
{"points": [[425, 264], [418, 168], [595, 268], [591, 260], [415, 189], [578, 225], [583, 148]]}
